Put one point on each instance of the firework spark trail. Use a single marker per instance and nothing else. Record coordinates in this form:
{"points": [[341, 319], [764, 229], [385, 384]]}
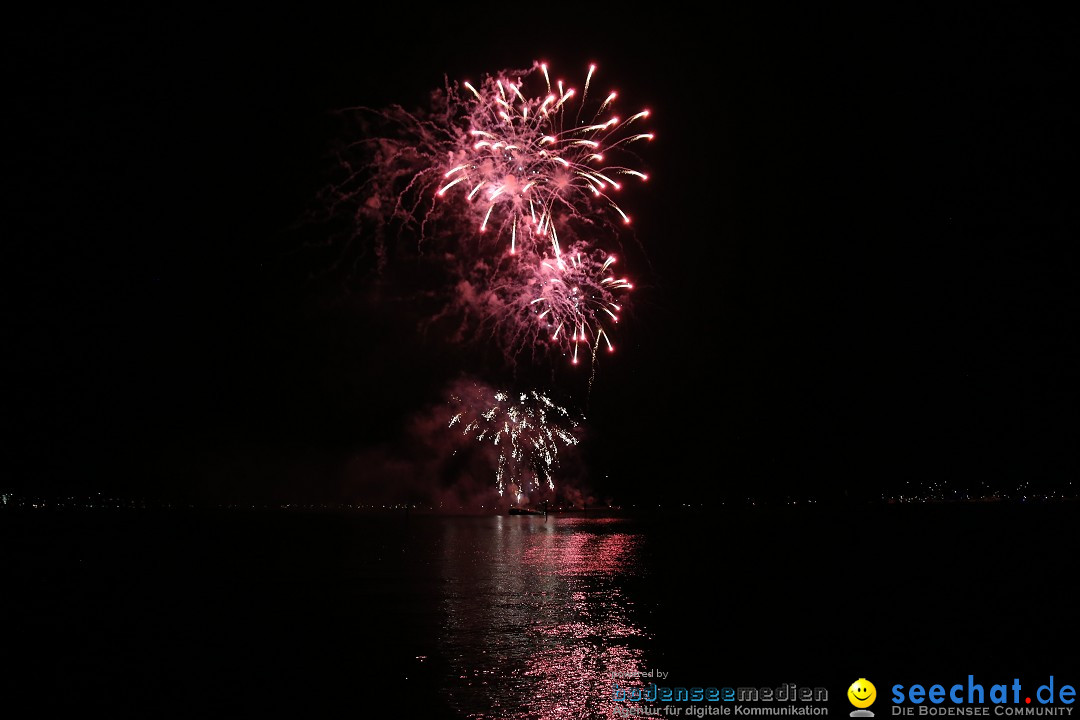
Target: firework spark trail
{"points": [[526, 430]]}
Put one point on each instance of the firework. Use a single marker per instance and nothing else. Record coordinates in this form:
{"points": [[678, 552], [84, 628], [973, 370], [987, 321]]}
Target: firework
{"points": [[526, 430], [563, 305], [516, 157], [512, 183], [578, 300], [527, 160]]}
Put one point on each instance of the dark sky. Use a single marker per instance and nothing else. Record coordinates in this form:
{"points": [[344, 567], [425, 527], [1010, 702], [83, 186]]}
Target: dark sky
{"points": [[861, 253]]}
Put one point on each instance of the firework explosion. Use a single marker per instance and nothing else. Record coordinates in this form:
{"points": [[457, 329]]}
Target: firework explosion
{"points": [[510, 184], [526, 430], [549, 304], [523, 163], [514, 180], [578, 299]]}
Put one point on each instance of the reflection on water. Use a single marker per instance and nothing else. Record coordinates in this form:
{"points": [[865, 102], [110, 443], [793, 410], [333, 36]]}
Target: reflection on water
{"points": [[536, 619]]}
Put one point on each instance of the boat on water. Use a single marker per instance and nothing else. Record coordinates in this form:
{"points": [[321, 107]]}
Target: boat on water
{"points": [[528, 511]]}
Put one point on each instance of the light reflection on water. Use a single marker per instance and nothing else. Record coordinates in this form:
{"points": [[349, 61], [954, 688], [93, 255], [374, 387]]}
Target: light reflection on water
{"points": [[536, 617]]}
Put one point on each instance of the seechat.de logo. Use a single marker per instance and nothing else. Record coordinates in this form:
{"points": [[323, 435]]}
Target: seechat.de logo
{"points": [[977, 698]]}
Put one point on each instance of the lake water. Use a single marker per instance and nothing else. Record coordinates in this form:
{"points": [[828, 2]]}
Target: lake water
{"points": [[244, 612]]}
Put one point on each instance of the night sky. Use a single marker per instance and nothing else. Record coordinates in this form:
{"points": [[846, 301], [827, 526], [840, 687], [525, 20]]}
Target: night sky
{"points": [[859, 260]]}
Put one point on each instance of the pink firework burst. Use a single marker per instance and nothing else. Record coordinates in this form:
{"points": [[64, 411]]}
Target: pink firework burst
{"points": [[551, 304], [513, 184], [527, 159], [578, 300]]}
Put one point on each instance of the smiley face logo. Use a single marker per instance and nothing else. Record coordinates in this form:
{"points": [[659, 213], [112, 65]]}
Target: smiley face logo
{"points": [[862, 693]]}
